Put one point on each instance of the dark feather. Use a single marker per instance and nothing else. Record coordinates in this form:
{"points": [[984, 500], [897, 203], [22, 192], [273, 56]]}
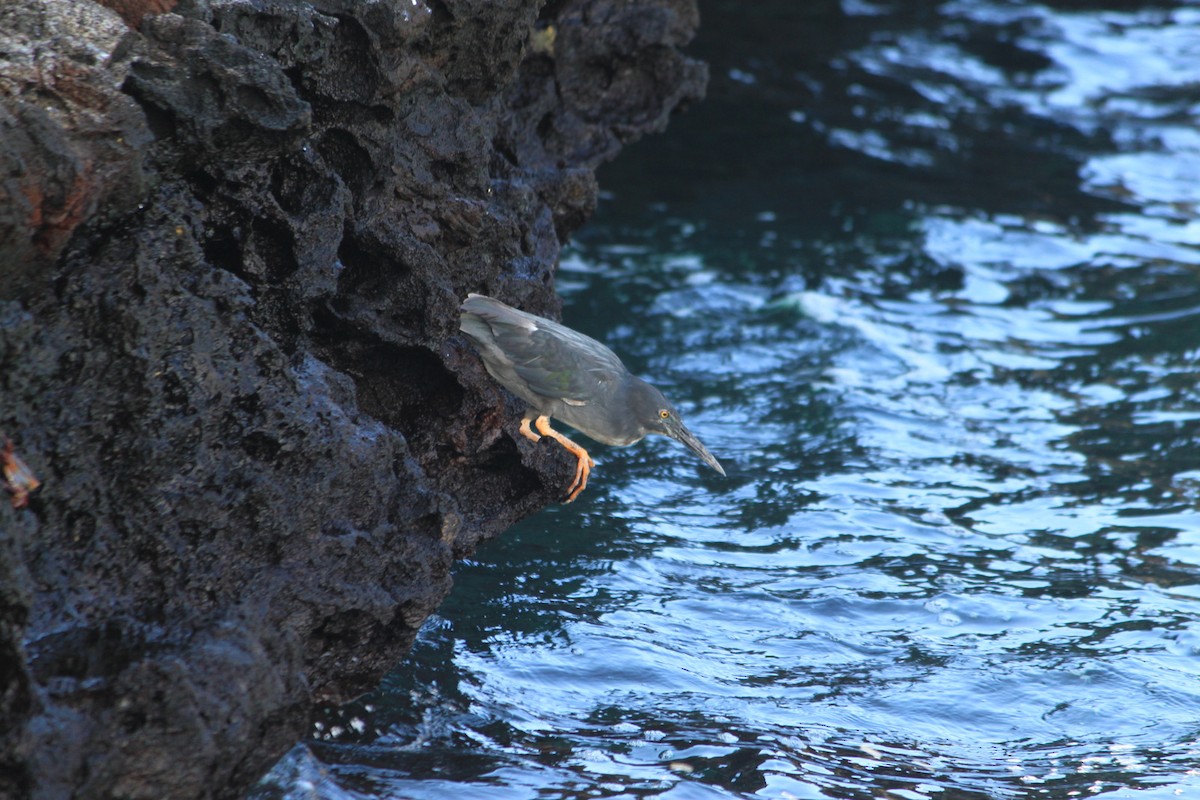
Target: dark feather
{"points": [[553, 361]]}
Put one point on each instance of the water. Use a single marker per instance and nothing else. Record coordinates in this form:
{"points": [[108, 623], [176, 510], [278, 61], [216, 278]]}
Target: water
{"points": [[926, 278]]}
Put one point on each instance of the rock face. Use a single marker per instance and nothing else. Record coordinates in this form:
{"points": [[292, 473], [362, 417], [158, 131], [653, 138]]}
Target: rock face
{"points": [[233, 240]]}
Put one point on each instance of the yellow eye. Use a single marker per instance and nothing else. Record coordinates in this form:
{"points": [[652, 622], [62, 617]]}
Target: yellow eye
{"points": [[664, 414]]}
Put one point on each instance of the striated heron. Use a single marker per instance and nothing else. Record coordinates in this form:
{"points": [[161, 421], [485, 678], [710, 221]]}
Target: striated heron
{"points": [[563, 374]]}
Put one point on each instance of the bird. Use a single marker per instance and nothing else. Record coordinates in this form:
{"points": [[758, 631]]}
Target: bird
{"points": [[565, 375]]}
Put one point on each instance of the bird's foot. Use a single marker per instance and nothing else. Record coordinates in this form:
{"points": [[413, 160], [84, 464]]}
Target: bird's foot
{"points": [[583, 468], [583, 461]]}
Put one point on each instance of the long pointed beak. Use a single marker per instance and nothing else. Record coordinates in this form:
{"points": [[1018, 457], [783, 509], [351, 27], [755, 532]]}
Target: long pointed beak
{"points": [[679, 432]]}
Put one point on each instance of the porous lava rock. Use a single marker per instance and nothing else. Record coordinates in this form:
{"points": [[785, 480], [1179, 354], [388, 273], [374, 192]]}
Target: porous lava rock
{"points": [[234, 235]]}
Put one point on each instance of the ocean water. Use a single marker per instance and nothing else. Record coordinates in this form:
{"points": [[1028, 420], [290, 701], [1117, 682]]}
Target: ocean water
{"points": [[926, 278]]}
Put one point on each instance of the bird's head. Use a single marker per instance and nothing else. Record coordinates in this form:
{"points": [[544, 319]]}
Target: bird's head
{"points": [[657, 415]]}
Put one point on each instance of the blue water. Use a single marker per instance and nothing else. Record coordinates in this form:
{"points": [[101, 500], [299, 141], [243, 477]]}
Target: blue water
{"points": [[926, 278]]}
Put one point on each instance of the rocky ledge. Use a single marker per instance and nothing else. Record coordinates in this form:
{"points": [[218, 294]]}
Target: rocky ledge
{"points": [[233, 239]]}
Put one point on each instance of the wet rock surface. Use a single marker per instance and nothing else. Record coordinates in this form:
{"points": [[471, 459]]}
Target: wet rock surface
{"points": [[233, 240]]}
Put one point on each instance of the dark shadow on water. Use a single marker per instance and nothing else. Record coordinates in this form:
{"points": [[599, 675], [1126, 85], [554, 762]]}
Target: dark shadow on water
{"points": [[805, 133]]}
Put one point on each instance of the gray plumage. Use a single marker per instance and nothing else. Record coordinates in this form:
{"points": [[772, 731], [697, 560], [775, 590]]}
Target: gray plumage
{"points": [[561, 373]]}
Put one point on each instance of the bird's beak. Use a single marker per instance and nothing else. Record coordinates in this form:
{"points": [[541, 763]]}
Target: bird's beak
{"points": [[679, 432]]}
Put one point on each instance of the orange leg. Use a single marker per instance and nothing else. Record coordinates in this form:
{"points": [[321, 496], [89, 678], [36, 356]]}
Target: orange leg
{"points": [[528, 434], [584, 466]]}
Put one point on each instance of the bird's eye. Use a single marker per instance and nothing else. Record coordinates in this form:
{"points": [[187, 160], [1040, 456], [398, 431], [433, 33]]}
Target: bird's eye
{"points": [[664, 414]]}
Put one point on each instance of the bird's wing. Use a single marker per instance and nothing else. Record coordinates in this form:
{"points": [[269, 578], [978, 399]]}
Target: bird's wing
{"points": [[554, 361], [563, 364]]}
